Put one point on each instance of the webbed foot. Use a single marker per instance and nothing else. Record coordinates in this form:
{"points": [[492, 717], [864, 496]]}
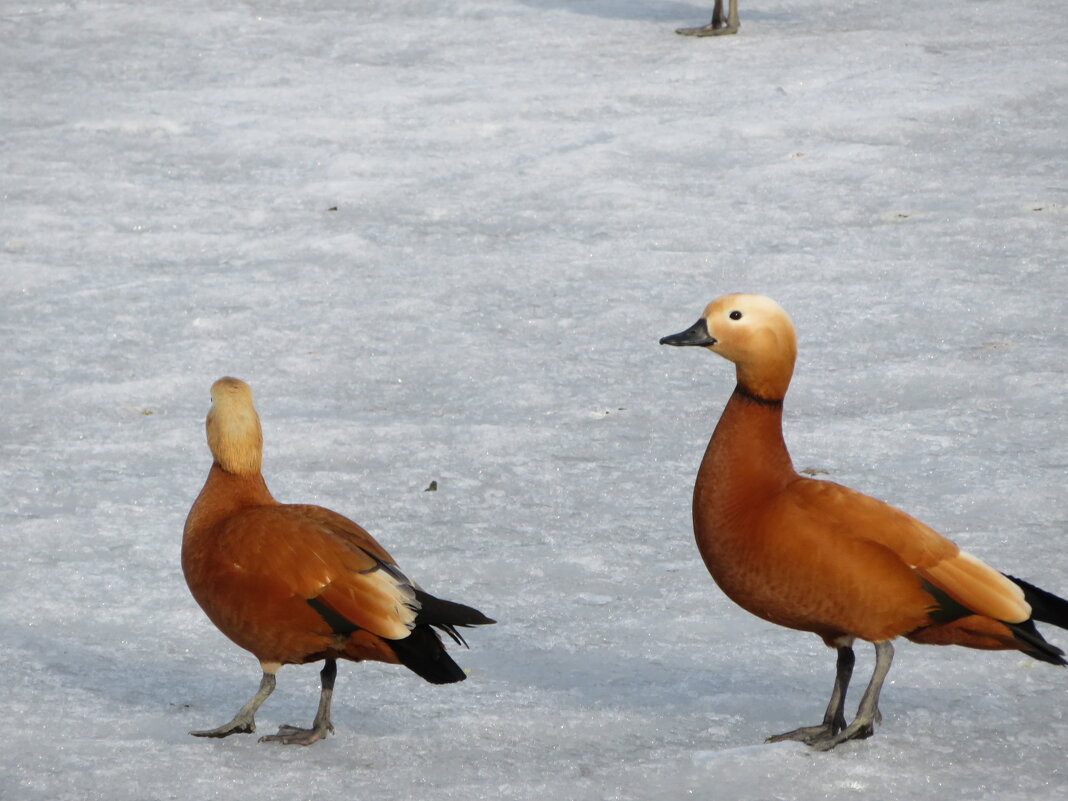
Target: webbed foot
{"points": [[857, 730], [806, 734], [711, 29], [294, 735], [239, 725]]}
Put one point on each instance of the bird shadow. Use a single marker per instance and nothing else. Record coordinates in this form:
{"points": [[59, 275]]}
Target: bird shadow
{"points": [[182, 691]]}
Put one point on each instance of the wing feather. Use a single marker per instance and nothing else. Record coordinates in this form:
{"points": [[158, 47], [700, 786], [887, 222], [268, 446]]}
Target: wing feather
{"points": [[974, 584], [287, 551]]}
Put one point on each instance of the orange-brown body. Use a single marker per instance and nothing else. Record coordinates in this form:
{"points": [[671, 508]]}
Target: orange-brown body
{"points": [[817, 556], [253, 563]]}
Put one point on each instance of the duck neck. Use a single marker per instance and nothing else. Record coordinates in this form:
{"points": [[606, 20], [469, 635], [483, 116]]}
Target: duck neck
{"points": [[746, 458], [225, 493]]}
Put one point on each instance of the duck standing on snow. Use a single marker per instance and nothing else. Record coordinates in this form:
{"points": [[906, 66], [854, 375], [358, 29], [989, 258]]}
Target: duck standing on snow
{"points": [[817, 556], [296, 583]]}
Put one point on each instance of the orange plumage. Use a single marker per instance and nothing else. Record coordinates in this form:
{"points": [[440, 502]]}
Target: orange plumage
{"points": [[296, 583], [819, 557]]}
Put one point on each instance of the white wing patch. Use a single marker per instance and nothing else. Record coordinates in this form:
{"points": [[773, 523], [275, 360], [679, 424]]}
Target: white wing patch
{"points": [[979, 587], [396, 587]]}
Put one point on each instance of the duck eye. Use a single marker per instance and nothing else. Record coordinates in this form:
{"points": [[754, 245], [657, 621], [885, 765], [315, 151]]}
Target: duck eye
{"points": [[735, 315]]}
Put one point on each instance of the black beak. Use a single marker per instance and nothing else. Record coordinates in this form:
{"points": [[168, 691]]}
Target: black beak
{"points": [[696, 334]]}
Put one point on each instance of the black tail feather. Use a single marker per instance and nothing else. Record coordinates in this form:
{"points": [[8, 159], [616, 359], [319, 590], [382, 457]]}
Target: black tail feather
{"points": [[1037, 646], [446, 615], [423, 654], [1045, 606], [422, 651]]}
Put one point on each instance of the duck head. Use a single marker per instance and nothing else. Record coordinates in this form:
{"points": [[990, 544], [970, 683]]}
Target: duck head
{"points": [[234, 433], [755, 333]]}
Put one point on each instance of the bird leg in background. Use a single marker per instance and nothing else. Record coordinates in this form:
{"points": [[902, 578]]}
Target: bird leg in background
{"points": [[244, 721], [834, 717], [868, 714], [716, 27], [321, 726]]}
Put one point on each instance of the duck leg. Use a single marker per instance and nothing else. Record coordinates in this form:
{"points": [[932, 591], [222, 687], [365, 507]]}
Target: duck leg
{"points": [[244, 721], [868, 714], [716, 27], [834, 717], [321, 726]]}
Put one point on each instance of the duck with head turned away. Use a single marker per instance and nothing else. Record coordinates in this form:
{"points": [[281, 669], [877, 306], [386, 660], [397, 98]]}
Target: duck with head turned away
{"points": [[294, 583], [816, 556]]}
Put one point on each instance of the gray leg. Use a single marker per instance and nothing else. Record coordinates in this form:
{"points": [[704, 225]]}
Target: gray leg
{"points": [[716, 27], [834, 717], [244, 721], [321, 726], [868, 714]]}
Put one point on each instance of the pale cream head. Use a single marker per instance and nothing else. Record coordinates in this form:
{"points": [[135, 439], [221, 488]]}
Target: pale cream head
{"points": [[752, 331], [755, 333], [234, 433]]}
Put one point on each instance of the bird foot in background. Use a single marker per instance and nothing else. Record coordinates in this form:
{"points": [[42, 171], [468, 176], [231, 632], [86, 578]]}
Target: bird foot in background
{"points": [[825, 737], [857, 730], [292, 735], [712, 29], [238, 725], [809, 735]]}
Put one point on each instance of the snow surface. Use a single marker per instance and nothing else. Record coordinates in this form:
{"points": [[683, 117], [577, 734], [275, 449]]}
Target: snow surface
{"points": [[441, 240]]}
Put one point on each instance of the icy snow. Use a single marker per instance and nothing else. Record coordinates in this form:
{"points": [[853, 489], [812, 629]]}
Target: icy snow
{"points": [[441, 240]]}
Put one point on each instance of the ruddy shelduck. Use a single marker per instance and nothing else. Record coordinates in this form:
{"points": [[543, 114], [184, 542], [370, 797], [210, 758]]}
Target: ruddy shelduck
{"points": [[294, 583], [816, 556]]}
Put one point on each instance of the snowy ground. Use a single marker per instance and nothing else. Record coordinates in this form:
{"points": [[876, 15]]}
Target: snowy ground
{"points": [[441, 240]]}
